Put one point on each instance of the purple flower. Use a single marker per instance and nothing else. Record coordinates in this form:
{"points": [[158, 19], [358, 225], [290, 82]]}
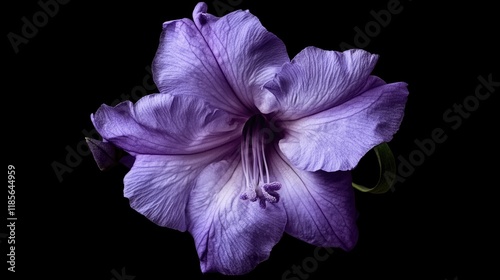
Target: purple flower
{"points": [[242, 145]]}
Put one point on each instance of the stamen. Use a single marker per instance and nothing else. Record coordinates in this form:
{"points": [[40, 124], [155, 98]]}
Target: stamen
{"points": [[254, 164], [265, 161], [249, 192]]}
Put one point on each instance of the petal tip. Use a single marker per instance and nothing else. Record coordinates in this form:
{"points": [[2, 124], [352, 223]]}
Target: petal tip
{"points": [[349, 243], [201, 7], [199, 13]]}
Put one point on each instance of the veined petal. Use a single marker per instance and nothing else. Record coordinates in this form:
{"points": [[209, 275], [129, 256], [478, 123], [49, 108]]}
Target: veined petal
{"points": [[232, 235], [320, 206], [162, 124], [158, 186], [224, 61], [248, 55], [185, 65], [316, 80], [337, 138]]}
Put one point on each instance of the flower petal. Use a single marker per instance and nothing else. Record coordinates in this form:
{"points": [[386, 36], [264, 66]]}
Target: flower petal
{"points": [[316, 80], [246, 52], [232, 236], [158, 186], [184, 65], [225, 61], [337, 138], [320, 206], [161, 124]]}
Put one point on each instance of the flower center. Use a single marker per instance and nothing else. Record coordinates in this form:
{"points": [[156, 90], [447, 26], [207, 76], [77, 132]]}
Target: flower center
{"points": [[256, 135]]}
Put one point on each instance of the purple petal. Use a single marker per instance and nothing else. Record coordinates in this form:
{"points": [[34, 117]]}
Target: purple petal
{"points": [[232, 235], [127, 160], [158, 186], [184, 65], [161, 124], [224, 61], [316, 80], [320, 206], [337, 138], [246, 52]]}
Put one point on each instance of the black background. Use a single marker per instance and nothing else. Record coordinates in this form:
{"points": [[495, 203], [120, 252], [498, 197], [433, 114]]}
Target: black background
{"points": [[437, 224]]}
